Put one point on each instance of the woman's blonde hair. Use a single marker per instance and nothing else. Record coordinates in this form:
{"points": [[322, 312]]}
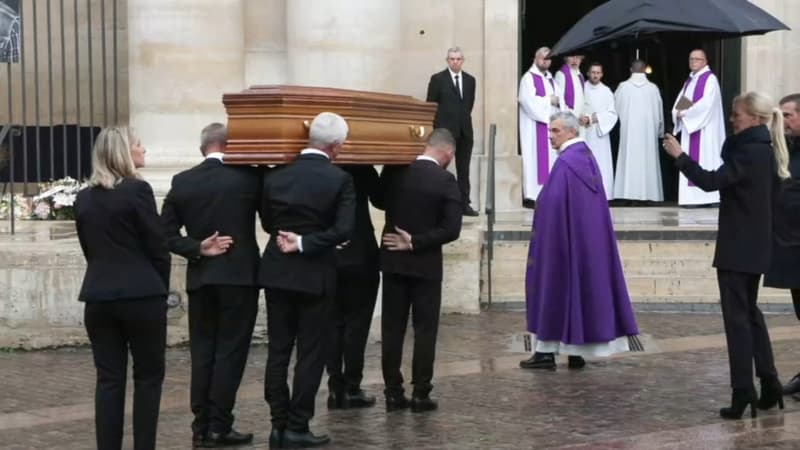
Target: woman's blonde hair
{"points": [[761, 106], [111, 157]]}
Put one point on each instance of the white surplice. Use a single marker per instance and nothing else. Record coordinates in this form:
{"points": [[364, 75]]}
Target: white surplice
{"points": [[600, 101], [532, 109], [705, 115], [641, 120], [561, 84]]}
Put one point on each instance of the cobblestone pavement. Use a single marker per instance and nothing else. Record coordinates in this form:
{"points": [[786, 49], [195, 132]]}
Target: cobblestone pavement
{"points": [[664, 398]]}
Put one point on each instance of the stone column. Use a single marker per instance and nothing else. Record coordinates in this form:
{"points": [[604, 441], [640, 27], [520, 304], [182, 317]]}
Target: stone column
{"points": [[265, 42], [183, 55]]}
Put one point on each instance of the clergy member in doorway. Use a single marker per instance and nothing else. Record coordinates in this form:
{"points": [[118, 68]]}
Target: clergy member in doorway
{"points": [[698, 117], [307, 208], [570, 81], [537, 102], [641, 125], [221, 201], [599, 118], [574, 308], [453, 90], [423, 212]]}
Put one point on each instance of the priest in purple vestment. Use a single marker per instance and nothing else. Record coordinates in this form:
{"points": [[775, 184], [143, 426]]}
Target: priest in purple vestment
{"points": [[576, 296]]}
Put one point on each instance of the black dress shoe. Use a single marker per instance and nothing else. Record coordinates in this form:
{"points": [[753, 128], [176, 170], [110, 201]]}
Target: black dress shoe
{"points": [[358, 399], [539, 361], [576, 362], [468, 211], [396, 402], [276, 438], [793, 386], [303, 439], [422, 404], [528, 203], [740, 400], [228, 439]]}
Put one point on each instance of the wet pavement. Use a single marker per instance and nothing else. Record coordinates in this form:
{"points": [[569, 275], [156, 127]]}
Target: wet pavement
{"points": [[664, 398]]}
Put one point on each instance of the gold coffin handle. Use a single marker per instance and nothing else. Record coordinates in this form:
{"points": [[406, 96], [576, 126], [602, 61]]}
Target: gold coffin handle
{"points": [[417, 131], [307, 124]]}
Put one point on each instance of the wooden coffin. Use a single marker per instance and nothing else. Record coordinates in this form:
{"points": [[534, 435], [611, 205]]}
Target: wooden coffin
{"points": [[269, 124]]}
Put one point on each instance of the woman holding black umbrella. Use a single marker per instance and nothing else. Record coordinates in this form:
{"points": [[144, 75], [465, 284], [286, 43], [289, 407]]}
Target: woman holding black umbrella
{"points": [[755, 159]]}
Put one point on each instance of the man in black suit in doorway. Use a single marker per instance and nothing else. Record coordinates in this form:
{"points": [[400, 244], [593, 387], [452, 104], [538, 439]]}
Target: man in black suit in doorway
{"points": [[423, 212], [308, 208], [454, 92], [221, 201]]}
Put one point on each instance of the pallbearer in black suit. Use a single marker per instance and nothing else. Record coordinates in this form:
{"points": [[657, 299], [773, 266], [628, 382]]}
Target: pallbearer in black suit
{"points": [[454, 91], [125, 287], [217, 206], [357, 280], [308, 208], [423, 212]]}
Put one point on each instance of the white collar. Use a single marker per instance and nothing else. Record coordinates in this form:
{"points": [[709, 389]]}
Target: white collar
{"points": [[314, 151], [215, 155], [453, 74], [427, 158], [566, 145], [701, 71]]}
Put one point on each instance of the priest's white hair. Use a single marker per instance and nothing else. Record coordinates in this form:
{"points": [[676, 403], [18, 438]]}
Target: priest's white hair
{"points": [[327, 129], [567, 118], [542, 50]]}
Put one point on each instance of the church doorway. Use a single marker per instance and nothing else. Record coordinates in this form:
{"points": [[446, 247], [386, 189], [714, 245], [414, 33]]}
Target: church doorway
{"points": [[543, 24]]}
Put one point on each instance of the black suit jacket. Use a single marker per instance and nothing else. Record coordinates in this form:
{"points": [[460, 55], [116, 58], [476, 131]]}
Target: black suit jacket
{"points": [[315, 199], [453, 112], [123, 242], [748, 183], [422, 199], [213, 197], [361, 253], [787, 206]]}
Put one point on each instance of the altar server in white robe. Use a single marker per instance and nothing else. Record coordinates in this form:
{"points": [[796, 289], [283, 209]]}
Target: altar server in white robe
{"points": [[537, 102], [599, 118], [641, 121], [570, 83], [701, 125]]}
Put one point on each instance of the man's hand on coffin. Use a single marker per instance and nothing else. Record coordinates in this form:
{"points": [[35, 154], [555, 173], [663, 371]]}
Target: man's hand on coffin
{"points": [[215, 244], [398, 242]]}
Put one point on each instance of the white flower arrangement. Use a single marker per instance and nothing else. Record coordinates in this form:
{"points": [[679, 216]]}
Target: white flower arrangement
{"points": [[56, 200], [21, 206]]}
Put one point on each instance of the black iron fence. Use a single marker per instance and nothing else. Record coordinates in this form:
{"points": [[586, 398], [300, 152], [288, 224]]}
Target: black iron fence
{"points": [[62, 83]]}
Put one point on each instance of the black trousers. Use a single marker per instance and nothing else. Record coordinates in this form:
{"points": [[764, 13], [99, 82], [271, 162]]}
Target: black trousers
{"points": [[221, 321], [114, 327], [294, 316], [356, 292], [424, 298], [745, 330], [463, 157]]}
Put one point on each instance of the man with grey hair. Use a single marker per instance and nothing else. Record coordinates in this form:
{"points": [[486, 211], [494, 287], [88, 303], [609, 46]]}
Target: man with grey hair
{"points": [[308, 208], [453, 90], [217, 205], [573, 307], [423, 212], [538, 100]]}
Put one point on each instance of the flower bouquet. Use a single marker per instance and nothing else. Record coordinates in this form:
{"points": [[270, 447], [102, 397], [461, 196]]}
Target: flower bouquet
{"points": [[21, 206], [56, 200]]}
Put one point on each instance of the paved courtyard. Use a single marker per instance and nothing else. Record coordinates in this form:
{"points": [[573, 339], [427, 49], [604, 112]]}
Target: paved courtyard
{"points": [[664, 398]]}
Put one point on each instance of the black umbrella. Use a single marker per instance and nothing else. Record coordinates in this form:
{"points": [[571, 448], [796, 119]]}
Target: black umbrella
{"points": [[630, 20]]}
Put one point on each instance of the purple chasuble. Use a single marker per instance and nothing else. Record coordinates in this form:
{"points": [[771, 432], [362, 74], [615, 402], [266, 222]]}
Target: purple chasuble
{"points": [[694, 138], [574, 285], [542, 143], [569, 86]]}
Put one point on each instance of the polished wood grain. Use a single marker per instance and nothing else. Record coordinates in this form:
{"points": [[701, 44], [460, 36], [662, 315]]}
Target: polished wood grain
{"points": [[269, 124]]}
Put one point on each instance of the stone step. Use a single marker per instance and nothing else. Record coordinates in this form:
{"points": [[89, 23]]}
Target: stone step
{"points": [[629, 250]]}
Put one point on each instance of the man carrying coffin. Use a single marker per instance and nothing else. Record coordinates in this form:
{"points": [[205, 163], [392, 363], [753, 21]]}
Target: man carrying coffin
{"points": [[570, 81], [641, 122], [599, 118], [537, 102], [575, 290], [697, 115]]}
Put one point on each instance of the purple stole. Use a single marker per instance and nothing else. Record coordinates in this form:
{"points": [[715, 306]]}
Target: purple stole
{"points": [[694, 138], [542, 143], [569, 86]]}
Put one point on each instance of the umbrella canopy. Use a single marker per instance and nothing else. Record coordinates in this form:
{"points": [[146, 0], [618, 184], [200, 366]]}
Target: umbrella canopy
{"points": [[631, 19]]}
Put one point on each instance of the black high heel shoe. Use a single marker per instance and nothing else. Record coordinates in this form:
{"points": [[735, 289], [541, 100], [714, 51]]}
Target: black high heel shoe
{"points": [[739, 401], [771, 394]]}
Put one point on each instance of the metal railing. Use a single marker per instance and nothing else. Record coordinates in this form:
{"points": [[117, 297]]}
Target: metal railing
{"points": [[66, 61], [490, 212]]}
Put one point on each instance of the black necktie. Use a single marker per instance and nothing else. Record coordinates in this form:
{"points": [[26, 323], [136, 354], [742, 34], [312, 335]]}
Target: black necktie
{"points": [[458, 86]]}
